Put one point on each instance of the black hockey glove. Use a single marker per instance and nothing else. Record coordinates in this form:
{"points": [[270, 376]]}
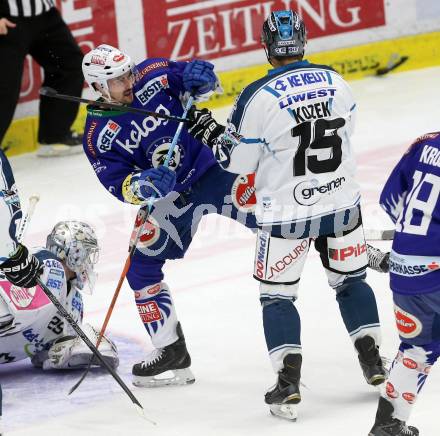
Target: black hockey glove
{"points": [[22, 268], [378, 260], [203, 127]]}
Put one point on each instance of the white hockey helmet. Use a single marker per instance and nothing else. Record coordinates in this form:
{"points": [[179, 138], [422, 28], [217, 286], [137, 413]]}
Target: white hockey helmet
{"points": [[105, 62], [75, 244]]}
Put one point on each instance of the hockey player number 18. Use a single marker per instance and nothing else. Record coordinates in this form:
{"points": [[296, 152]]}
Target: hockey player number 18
{"points": [[318, 135], [418, 214]]}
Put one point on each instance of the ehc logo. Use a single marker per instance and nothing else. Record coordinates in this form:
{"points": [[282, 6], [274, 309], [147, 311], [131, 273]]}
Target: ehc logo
{"points": [[107, 135]]}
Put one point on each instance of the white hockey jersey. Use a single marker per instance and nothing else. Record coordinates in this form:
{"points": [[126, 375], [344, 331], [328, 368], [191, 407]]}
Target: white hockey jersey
{"points": [[296, 124], [36, 322]]}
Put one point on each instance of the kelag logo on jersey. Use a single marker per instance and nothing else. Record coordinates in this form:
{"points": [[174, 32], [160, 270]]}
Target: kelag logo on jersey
{"points": [[152, 88], [107, 136], [141, 131]]}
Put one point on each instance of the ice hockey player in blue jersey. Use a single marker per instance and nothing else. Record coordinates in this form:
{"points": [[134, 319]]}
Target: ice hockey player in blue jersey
{"points": [[410, 197], [127, 152], [293, 127]]}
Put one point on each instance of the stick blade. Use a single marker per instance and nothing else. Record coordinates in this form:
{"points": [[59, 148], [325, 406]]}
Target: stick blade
{"points": [[48, 91]]}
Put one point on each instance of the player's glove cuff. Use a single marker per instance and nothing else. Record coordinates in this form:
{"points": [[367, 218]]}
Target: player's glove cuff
{"points": [[203, 126], [378, 260]]}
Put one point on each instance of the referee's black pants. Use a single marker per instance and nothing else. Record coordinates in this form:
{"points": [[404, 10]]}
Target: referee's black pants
{"points": [[49, 41]]}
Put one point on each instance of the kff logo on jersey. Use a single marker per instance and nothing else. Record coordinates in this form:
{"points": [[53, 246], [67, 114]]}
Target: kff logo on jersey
{"points": [[107, 136]]}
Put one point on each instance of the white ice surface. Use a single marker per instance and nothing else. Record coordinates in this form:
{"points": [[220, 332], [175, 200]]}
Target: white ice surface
{"points": [[217, 303]]}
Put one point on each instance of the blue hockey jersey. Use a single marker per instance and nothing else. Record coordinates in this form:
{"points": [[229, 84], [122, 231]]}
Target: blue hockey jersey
{"points": [[120, 144], [411, 199]]}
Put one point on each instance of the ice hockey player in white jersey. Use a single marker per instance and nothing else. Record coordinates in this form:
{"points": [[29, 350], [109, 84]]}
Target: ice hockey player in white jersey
{"points": [[30, 326], [293, 128]]}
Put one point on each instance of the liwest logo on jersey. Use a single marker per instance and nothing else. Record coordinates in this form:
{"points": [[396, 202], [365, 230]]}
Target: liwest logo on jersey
{"points": [[107, 136], [152, 88], [299, 97]]}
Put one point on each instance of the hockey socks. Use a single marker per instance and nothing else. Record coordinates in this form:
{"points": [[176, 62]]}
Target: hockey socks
{"points": [[156, 309], [408, 374], [358, 308], [282, 329]]}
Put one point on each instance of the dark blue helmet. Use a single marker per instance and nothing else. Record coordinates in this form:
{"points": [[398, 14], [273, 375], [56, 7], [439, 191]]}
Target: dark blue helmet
{"points": [[284, 35]]}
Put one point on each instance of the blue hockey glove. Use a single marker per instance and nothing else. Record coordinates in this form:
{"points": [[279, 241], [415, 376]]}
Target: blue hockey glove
{"points": [[199, 76], [161, 177]]}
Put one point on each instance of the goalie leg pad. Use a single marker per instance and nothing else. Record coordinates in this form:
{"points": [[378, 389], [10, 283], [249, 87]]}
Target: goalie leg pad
{"points": [[70, 352]]}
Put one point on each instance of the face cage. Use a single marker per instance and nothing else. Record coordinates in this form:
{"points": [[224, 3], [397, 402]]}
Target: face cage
{"points": [[86, 277]]}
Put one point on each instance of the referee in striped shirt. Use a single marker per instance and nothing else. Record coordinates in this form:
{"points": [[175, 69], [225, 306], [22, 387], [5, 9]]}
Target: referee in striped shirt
{"points": [[36, 27]]}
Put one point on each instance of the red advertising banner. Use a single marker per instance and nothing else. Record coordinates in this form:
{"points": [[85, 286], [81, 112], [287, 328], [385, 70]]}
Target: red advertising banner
{"points": [[92, 22], [183, 29]]}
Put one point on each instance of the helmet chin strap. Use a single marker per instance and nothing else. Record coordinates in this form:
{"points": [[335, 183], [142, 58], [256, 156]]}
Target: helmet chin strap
{"points": [[267, 54]]}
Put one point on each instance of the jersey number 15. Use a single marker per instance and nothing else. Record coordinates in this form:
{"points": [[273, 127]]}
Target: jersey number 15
{"points": [[318, 135]]}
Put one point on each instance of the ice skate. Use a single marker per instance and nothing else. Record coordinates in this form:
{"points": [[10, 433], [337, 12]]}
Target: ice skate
{"points": [[71, 144], [370, 361], [285, 395], [386, 425], [165, 366]]}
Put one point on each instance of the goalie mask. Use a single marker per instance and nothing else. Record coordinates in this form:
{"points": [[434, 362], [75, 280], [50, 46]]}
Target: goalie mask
{"points": [[284, 35], [103, 63], [75, 244]]}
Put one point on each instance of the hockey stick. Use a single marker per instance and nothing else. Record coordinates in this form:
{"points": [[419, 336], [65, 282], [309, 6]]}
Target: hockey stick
{"points": [[391, 66], [33, 200], [52, 93], [132, 248], [66, 315], [379, 235]]}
